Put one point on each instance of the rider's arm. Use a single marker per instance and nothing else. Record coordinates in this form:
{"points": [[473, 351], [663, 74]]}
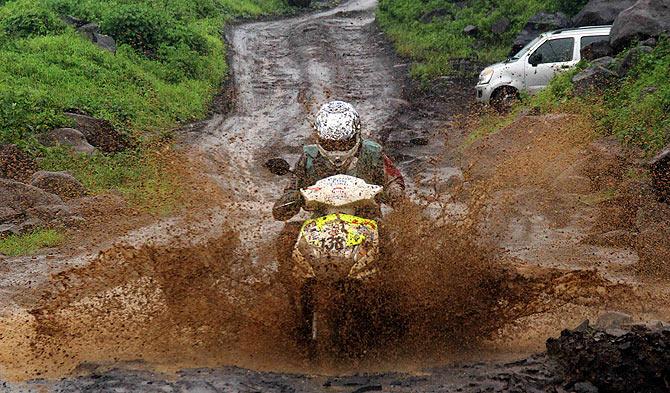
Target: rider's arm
{"points": [[394, 189], [290, 203]]}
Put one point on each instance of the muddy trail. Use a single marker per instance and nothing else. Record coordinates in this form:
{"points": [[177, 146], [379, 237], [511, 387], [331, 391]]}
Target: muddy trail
{"points": [[485, 263]]}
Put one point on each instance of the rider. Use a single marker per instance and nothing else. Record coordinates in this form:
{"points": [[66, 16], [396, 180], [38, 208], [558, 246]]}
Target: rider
{"points": [[339, 150]]}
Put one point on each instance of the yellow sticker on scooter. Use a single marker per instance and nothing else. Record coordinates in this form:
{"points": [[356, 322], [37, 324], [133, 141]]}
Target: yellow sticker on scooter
{"points": [[318, 230]]}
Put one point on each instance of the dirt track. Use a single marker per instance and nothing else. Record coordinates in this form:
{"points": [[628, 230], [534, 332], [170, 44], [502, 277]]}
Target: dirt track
{"points": [[282, 71]]}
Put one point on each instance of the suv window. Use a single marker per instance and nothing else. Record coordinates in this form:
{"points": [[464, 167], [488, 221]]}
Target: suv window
{"points": [[591, 39], [554, 51]]}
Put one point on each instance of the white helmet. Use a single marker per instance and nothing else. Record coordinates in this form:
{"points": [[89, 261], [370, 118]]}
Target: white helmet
{"points": [[338, 126], [337, 121]]}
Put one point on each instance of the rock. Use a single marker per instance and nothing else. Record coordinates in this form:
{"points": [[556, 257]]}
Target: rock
{"points": [[633, 362], [89, 30], [615, 238], [600, 12], [100, 133], [67, 137], [7, 214], [16, 164], [20, 196], [646, 18], [436, 13], [613, 320], [595, 77], [28, 226], [500, 26], [471, 30], [51, 213], [597, 50], [299, 3], [62, 184], [105, 42], [649, 42], [631, 58], [585, 387], [537, 24], [72, 21], [659, 168]]}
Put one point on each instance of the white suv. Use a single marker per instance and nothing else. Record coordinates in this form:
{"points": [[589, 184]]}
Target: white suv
{"points": [[531, 69]]}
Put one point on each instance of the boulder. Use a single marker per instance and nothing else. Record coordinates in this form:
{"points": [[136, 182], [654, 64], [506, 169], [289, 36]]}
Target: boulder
{"points": [[436, 13], [62, 184], [600, 12], [471, 30], [631, 58], [595, 77], [501, 25], [596, 50], [16, 164], [613, 320], [105, 42], [66, 137], [20, 197], [73, 21], [100, 133], [7, 214], [646, 18], [537, 24], [88, 30], [659, 167]]}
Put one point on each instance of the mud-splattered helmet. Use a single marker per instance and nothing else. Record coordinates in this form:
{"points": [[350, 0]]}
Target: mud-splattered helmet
{"points": [[338, 127]]}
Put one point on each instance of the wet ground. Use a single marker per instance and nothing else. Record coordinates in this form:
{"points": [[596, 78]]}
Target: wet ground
{"points": [[82, 322]]}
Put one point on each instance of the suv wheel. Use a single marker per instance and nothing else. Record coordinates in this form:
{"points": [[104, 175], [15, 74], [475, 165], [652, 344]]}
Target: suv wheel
{"points": [[504, 98]]}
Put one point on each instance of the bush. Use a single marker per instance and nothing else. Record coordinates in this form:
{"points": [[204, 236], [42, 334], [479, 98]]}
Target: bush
{"points": [[23, 18], [141, 26], [570, 7]]}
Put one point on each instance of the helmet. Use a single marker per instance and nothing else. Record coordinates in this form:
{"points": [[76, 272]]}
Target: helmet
{"points": [[338, 126]]}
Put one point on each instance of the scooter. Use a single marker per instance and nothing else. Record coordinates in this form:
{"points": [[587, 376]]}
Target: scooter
{"points": [[335, 252]]}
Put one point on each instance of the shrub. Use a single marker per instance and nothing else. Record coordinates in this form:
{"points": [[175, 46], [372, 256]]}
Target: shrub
{"points": [[141, 26], [23, 18]]}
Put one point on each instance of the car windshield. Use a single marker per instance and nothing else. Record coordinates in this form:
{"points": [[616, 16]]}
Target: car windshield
{"points": [[525, 49]]}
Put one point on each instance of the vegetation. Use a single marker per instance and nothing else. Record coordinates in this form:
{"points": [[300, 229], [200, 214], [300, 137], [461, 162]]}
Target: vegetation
{"points": [[636, 110], [30, 243], [433, 41], [169, 63]]}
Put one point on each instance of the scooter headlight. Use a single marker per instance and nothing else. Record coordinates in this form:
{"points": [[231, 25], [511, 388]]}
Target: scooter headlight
{"points": [[485, 76]]}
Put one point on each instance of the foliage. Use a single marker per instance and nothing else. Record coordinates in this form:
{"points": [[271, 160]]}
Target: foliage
{"points": [[432, 43], [570, 7], [26, 18], [27, 244]]}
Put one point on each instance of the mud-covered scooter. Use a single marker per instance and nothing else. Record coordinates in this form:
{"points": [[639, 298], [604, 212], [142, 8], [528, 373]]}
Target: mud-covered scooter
{"points": [[335, 251]]}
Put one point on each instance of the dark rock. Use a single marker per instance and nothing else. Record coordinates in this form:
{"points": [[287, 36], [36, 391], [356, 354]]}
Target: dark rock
{"points": [[88, 30], [16, 164], [596, 77], [500, 26], [600, 12], [649, 42], [471, 30], [584, 387], [537, 24], [631, 58], [28, 226], [613, 320], [62, 184], [105, 42], [71, 20], [597, 50], [299, 3], [67, 137], [436, 13], [20, 196], [632, 362], [646, 18], [100, 133], [659, 167]]}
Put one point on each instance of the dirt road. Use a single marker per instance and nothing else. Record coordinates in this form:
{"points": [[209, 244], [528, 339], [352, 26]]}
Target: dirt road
{"points": [[111, 306]]}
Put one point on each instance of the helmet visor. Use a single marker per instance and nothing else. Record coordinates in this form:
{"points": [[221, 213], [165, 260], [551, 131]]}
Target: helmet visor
{"points": [[331, 145]]}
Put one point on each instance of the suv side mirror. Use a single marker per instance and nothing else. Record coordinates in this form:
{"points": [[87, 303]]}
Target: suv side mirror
{"points": [[535, 59], [278, 166]]}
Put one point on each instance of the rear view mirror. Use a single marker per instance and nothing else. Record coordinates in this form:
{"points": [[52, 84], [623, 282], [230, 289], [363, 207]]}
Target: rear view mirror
{"points": [[278, 166], [535, 59]]}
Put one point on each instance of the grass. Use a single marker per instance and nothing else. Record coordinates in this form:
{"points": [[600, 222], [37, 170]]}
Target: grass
{"points": [[636, 110], [170, 62], [14, 245], [433, 44]]}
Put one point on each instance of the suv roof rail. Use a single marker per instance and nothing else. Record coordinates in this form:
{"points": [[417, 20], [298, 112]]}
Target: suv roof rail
{"points": [[580, 28]]}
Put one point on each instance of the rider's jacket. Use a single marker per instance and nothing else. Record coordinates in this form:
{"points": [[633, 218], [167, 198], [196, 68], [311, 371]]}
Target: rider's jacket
{"points": [[369, 164]]}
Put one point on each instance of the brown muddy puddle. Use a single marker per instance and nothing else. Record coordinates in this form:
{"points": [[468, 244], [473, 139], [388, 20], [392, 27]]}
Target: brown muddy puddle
{"points": [[443, 295]]}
